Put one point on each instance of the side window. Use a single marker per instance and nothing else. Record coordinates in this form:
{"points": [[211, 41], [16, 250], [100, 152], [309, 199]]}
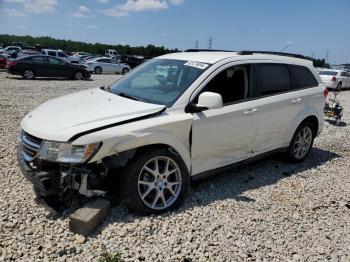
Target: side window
{"points": [[51, 53], [302, 77], [274, 79], [55, 61], [232, 83], [36, 59], [103, 61], [60, 54]]}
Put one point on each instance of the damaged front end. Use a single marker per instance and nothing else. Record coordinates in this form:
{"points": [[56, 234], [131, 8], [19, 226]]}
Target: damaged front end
{"points": [[59, 179]]}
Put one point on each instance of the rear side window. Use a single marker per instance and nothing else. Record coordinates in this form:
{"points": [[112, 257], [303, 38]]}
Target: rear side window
{"points": [[60, 54], [302, 77], [51, 53], [274, 79], [37, 59], [328, 73]]}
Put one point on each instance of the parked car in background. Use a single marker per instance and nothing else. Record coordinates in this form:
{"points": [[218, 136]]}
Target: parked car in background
{"points": [[110, 52], [335, 79], [8, 49], [61, 55], [104, 65], [132, 61], [30, 67], [152, 133], [3, 60], [81, 54]]}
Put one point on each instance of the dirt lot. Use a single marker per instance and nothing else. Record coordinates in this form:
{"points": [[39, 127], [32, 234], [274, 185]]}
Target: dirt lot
{"points": [[268, 211]]}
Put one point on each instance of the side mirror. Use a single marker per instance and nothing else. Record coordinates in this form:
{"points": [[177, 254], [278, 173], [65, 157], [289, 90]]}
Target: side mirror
{"points": [[208, 100]]}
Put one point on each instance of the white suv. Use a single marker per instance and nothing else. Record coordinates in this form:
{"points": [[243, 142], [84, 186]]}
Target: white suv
{"points": [[174, 119], [60, 54]]}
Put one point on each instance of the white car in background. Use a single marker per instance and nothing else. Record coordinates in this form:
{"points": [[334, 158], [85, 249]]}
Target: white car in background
{"points": [[335, 79], [61, 55], [105, 65]]}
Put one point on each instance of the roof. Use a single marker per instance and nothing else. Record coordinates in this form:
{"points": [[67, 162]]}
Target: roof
{"points": [[212, 57]]}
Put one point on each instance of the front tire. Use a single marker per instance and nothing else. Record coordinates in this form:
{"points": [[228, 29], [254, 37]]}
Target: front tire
{"points": [[28, 74], [125, 70], [78, 75], [301, 143], [155, 182], [98, 70]]}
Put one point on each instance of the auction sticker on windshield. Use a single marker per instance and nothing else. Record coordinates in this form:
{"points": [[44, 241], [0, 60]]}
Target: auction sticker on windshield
{"points": [[197, 64]]}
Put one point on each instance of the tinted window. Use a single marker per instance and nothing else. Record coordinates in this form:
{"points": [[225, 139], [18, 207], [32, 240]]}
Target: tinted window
{"points": [[104, 61], [38, 59], [55, 61], [60, 54], [328, 73], [51, 53], [274, 78], [302, 77], [232, 83]]}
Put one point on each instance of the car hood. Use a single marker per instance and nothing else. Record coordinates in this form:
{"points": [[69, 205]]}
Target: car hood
{"points": [[62, 118]]}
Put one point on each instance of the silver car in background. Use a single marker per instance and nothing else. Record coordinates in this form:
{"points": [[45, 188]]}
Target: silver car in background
{"points": [[104, 65], [335, 79]]}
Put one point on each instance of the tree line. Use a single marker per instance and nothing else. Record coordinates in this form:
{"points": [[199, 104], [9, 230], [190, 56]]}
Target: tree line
{"points": [[93, 48], [148, 51]]}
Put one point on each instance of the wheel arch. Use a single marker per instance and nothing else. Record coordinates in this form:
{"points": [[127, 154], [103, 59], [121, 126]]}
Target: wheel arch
{"points": [[310, 117]]}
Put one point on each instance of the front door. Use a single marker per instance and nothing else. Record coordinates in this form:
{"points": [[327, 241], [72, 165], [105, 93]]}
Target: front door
{"points": [[221, 137]]}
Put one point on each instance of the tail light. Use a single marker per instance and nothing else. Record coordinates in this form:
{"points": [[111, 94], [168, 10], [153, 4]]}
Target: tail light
{"points": [[334, 79], [11, 63], [325, 92]]}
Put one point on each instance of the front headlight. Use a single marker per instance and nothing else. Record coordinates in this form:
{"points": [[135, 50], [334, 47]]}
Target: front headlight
{"points": [[66, 152]]}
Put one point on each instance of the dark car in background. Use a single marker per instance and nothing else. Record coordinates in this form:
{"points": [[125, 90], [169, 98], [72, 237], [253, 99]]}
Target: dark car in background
{"points": [[45, 66], [3, 60], [132, 61]]}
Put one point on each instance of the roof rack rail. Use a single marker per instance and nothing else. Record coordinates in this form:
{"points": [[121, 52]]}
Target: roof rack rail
{"points": [[272, 53], [207, 50]]}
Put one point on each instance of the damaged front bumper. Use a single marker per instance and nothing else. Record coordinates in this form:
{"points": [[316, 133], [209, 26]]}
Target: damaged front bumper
{"points": [[51, 179]]}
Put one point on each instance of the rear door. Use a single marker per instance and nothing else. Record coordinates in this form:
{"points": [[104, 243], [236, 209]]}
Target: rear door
{"points": [[38, 64], [277, 106], [285, 93]]}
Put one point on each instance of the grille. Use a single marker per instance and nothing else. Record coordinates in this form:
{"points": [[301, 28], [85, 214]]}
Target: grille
{"points": [[30, 146]]}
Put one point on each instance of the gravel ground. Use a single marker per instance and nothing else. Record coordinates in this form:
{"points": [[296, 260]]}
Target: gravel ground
{"points": [[268, 211]]}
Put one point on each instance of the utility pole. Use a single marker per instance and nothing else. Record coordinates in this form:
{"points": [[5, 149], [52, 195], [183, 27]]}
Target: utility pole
{"points": [[196, 44], [327, 55], [210, 43]]}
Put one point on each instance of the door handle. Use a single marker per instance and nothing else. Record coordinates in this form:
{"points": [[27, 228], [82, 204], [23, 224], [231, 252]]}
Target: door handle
{"points": [[251, 111], [297, 100]]}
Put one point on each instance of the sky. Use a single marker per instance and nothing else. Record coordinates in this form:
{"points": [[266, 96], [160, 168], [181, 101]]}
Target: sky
{"points": [[308, 27]]}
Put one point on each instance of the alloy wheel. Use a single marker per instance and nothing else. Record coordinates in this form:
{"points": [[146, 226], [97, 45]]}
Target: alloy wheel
{"points": [[302, 142], [159, 183], [28, 74], [78, 76]]}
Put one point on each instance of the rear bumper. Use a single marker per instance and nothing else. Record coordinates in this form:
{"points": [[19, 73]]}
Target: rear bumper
{"points": [[12, 71]]}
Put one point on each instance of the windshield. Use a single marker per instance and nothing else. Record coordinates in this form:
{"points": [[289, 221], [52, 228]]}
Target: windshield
{"points": [[328, 73], [159, 81]]}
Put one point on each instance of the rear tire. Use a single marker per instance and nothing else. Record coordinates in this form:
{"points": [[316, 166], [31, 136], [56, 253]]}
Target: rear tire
{"points": [[339, 86], [125, 70], [154, 182], [28, 74], [301, 143], [98, 70]]}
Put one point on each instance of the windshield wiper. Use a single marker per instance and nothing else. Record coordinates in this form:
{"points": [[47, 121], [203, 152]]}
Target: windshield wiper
{"points": [[106, 88], [128, 96]]}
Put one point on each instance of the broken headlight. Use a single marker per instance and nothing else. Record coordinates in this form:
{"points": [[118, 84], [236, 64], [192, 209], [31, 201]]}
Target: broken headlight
{"points": [[66, 152]]}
